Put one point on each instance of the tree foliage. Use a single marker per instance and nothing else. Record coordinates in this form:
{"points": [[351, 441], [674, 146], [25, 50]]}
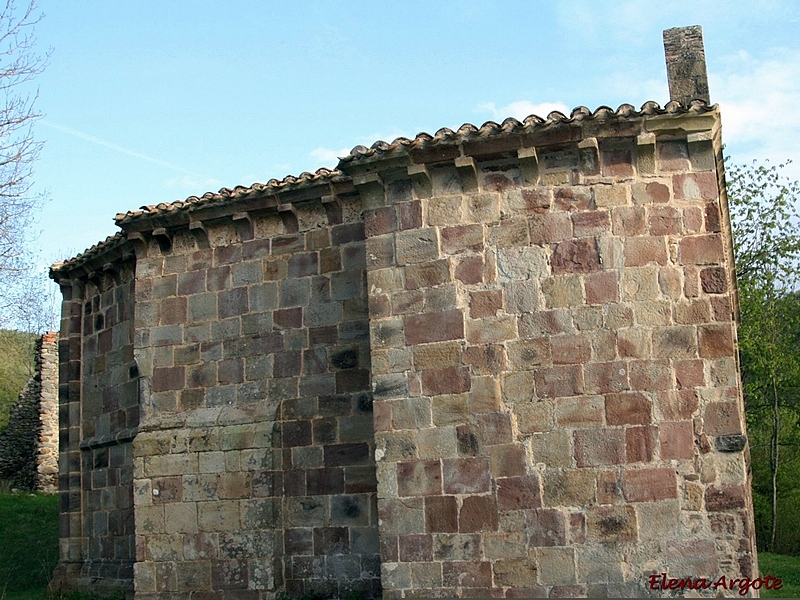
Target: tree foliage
{"points": [[765, 216], [21, 287]]}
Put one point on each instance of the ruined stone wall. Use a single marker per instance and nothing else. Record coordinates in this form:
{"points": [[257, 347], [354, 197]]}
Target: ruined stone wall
{"points": [[47, 456], [99, 414], [557, 404], [254, 467]]}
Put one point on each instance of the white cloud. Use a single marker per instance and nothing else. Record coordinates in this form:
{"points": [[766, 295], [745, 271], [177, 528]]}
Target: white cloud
{"points": [[522, 108], [760, 105], [327, 157]]}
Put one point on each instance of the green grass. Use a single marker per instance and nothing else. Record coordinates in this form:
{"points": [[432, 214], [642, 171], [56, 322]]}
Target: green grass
{"points": [[28, 544], [785, 567]]}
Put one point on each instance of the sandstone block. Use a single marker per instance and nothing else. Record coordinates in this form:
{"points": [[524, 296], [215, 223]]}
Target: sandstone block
{"points": [[610, 524], [576, 256], [478, 513], [610, 195], [449, 380], [579, 411], [591, 223], [467, 574], [445, 210], [676, 440], [547, 527], [715, 341], [602, 287], [572, 199], [434, 327], [550, 228], [484, 396], [469, 270], [628, 408], [558, 381], [441, 514], [521, 263], [462, 238], [556, 566], [534, 417], [700, 249], [572, 487], [599, 447], [465, 475], [509, 233], [648, 485], [695, 186], [562, 291], [650, 193], [417, 246], [606, 377]]}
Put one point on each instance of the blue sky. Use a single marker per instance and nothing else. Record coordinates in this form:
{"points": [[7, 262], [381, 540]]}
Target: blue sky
{"points": [[148, 102]]}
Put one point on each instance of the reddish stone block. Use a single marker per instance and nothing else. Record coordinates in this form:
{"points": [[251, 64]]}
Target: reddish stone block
{"points": [[192, 282], [725, 497], [617, 162], [486, 359], [664, 220], [716, 341], [591, 223], [607, 377], [536, 200], [380, 220], [722, 418], [599, 447], [419, 478], [721, 307], [441, 514], [577, 529], [379, 306], [495, 428], [478, 513], [390, 548], [640, 443], [692, 219], [450, 380], [416, 547], [572, 198], [627, 408], [612, 524], [428, 274], [517, 493], [649, 485], [576, 256], [173, 311], [466, 475], [677, 440], [434, 327], [330, 260], [469, 270], [232, 302], [695, 186], [678, 405], [287, 364], [602, 287], [549, 228], [689, 373], [701, 249], [650, 375], [713, 280], [570, 349], [559, 381], [628, 221], [169, 378], [296, 433], [485, 303], [546, 527], [288, 318], [640, 251], [343, 234], [462, 238], [712, 217], [463, 574]]}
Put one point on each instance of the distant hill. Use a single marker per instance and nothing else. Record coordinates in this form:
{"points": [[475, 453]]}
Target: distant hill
{"points": [[16, 367]]}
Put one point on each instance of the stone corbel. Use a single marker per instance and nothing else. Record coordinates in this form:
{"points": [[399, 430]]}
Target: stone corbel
{"points": [[112, 271], [244, 226], [421, 179], [163, 238], [646, 153], [198, 231], [289, 218], [333, 209], [529, 165], [370, 188], [589, 153], [467, 173], [701, 150], [139, 244]]}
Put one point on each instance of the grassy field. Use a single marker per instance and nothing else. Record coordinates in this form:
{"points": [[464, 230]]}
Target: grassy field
{"points": [[29, 552]]}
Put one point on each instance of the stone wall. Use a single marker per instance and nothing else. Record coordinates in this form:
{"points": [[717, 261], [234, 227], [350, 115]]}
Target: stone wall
{"points": [[254, 463], [492, 362], [99, 416], [554, 365], [29, 444]]}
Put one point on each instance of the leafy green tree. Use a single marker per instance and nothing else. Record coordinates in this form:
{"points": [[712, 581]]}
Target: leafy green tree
{"points": [[765, 218]]}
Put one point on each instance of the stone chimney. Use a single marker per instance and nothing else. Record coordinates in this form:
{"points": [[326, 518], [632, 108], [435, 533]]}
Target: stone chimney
{"points": [[686, 64]]}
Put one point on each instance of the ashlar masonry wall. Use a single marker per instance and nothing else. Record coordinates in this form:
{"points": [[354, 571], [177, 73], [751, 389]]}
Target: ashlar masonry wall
{"points": [[254, 462], [557, 409], [497, 362]]}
